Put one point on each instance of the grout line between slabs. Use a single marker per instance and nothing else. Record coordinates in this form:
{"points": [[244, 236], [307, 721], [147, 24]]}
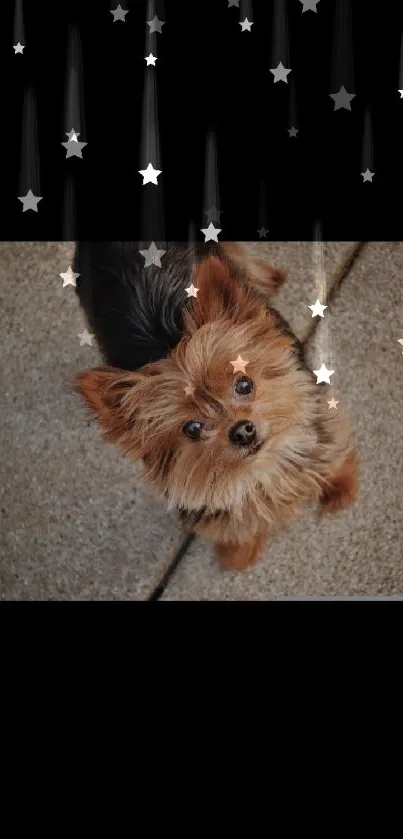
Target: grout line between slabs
{"points": [[338, 276]]}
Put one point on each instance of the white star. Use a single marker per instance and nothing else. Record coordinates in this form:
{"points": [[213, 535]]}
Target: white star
{"points": [[309, 5], [239, 365], [192, 291], [246, 25], [280, 73], [400, 341], [18, 48], [150, 174], [317, 309], [69, 277], [73, 135], [30, 201], [85, 338], [401, 93], [367, 175], [150, 59], [211, 232], [152, 256], [323, 374]]}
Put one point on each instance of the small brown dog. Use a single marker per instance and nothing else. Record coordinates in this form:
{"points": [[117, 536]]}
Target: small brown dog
{"points": [[231, 426]]}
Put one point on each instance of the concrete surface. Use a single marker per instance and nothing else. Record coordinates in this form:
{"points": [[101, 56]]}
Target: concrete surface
{"points": [[76, 521]]}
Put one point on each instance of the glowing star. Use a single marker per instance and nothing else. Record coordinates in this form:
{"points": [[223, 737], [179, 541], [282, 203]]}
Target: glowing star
{"points": [[211, 233], [323, 375], [399, 91], [333, 403], [292, 132], [73, 146], [367, 175], [342, 99], [150, 59], [155, 25], [400, 341], [150, 174], [280, 73], [189, 390], [18, 48], [191, 290], [30, 201], [246, 25], [309, 5], [69, 277], [239, 365], [317, 309], [152, 256], [119, 13], [85, 338], [262, 232]]}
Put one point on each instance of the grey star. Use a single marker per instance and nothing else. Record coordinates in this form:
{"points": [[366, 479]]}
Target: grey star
{"points": [[246, 25], [30, 201], [211, 233], [73, 134], [119, 13], [280, 73], [73, 146], [342, 99], [309, 5], [263, 231], [367, 175], [85, 337], [18, 48], [292, 132], [213, 214], [233, 3], [69, 277], [152, 256], [155, 25]]}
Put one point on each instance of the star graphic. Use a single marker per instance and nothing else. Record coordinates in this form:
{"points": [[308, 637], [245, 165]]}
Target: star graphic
{"points": [[292, 132], [85, 338], [150, 59], [152, 256], [211, 233], [189, 390], [233, 3], [69, 277], [239, 365], [246, 25], [400, 341], [262, 232], [30, 201], [155, 25], [323, 374], [399, 91], [333, 403], [119, 13], [280, 73], [367, 175], [317, 309], [342, 99], [18, 48], [150, 174], [309, 5], [213, 214], [191, 290], [73, 135], [73, 146]]}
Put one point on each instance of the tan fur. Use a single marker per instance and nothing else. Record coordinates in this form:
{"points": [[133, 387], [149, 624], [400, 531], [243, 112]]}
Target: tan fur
{"points": [[233, 498]]}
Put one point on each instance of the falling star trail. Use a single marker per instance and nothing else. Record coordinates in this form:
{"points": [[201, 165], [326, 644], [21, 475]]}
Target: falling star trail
{"points": [[152, 224], [280, 49], [18, 28], [30, 167], [324, 350], [342, 54], [74, 96], [367, 157], [211, 191]]}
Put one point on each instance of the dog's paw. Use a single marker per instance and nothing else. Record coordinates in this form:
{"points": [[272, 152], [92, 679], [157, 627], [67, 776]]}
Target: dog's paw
{"points": [[342, 487]]}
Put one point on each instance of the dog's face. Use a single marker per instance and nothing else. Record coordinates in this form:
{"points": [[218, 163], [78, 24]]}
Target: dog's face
{"points": [[228, 404]]}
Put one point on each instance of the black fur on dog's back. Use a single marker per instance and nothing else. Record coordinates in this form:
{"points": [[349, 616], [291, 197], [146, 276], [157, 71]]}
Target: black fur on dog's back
{"points": [[135, 312]]}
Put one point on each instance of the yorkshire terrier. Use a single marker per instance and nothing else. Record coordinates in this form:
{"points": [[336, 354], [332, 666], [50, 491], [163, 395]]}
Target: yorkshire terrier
{"points": [[207, 385]]}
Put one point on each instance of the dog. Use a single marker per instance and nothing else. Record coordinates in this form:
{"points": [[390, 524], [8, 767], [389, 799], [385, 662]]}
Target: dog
{"points": [[206, 384]]}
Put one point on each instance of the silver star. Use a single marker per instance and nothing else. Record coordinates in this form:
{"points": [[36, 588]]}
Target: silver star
{"points": [[213, 214], [263, 231], [73, 146], [342, 99], [152, 256], [119, 13], [317, 309], [246, 25], [150, 59], [280, 73], [150, 174], [233, 3], [309, 5], [323, 374], [367, 175], [69, 277], [18, 48], [85, 338], [191, 291], [155, 25], [211, 233], [292, 132], [30, 201]]}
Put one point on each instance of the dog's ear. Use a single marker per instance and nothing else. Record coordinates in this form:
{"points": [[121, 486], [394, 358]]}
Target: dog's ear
{"points": [[217, 293], [115, 396]]}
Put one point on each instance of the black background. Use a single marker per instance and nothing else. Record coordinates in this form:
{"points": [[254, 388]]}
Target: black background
{"points": [[209, 74]]}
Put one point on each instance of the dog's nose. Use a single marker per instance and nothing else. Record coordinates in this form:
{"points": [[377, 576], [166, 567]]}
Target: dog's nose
{"points": [[242, 433]]}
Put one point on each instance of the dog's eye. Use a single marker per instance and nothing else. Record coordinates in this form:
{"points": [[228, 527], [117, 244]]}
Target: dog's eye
{"points": [[243, 386], [193, 429]]}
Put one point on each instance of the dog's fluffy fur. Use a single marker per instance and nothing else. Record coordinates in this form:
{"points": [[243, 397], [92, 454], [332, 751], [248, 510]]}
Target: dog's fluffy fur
{"points": [[156, 342]]}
